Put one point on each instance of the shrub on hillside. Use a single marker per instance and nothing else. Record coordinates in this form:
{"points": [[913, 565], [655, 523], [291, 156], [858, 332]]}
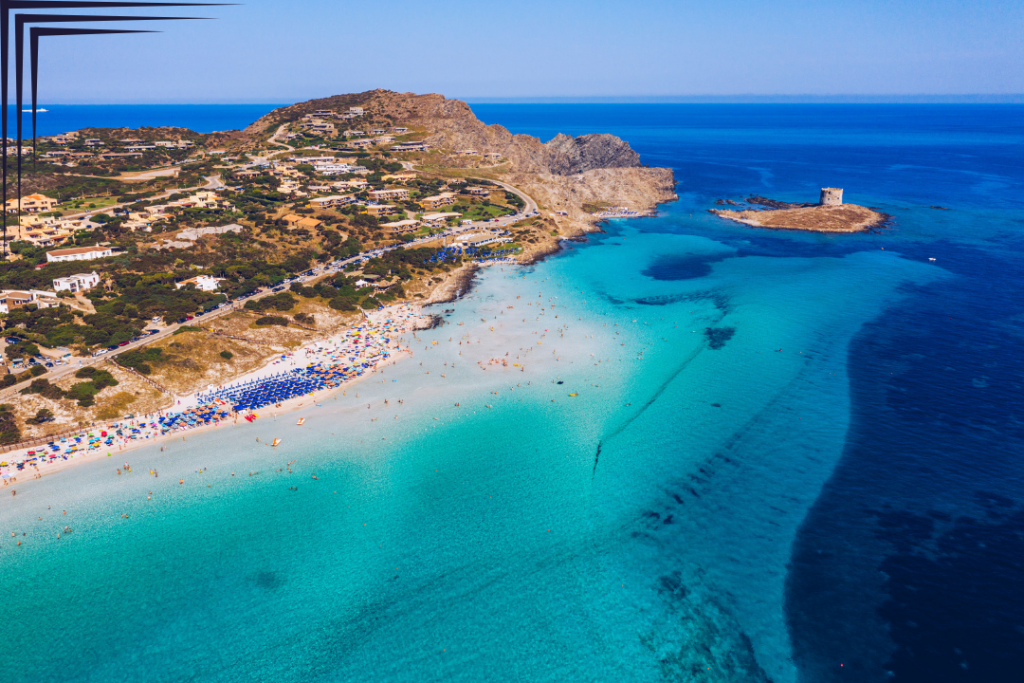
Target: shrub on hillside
{"points": [[44, 389], [9, 432], [278, 302]]}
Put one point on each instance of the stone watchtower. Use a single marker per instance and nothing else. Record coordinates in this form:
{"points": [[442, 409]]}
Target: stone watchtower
{"points": [[831, 196]]}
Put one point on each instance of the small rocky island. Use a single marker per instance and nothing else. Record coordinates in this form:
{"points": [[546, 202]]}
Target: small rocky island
{"points": [[828, 215]]}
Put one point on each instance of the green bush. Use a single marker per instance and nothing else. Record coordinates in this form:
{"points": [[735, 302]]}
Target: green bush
{"points": [[84, 393], [227, 355], [343, 303], [278, 302], [44, 389], [37, 370], [103, 379], [273, 320], [140, 359], [9, 432], [42, 415]]}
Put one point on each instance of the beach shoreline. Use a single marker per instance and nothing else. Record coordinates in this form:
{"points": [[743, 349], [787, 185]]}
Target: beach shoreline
{"points": [[34, 471]]}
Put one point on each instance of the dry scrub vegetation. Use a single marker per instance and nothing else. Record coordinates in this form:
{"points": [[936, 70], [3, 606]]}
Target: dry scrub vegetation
{"points": [[132, 395]]}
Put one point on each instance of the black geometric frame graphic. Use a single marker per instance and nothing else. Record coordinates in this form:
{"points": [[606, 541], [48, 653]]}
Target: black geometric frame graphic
{"points": [[37, 32], [5, 9]]}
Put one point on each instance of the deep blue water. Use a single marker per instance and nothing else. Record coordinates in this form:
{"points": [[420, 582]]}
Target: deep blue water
{"points": [[911, 562], [812, 472], [201, 118]]}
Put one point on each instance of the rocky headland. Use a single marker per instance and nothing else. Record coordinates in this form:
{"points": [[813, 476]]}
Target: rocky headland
{"points": [[566, 176]]}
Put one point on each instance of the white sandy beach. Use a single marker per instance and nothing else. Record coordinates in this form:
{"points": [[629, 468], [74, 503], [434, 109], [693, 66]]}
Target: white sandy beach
{"points": [[383, 324]]}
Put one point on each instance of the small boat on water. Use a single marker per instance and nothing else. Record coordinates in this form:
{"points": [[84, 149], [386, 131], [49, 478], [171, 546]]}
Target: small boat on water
{"points": [[573, 395], [301, 421], [276, 442]]}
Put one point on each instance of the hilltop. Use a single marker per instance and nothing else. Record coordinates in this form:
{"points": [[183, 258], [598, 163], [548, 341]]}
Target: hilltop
{"points": [[566, 175]]}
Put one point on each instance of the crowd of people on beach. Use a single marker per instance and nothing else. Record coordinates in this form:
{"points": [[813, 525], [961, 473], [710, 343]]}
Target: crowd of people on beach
{"points": [[326, 365]]}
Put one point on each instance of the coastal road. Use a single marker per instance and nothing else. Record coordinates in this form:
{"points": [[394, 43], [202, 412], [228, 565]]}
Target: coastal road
{"points": [[214, 183], [274, 138], [148, 175], [531, 205]]}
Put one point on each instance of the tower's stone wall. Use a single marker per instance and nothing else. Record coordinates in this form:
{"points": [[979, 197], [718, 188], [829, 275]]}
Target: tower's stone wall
{"points": [[831, 196]]}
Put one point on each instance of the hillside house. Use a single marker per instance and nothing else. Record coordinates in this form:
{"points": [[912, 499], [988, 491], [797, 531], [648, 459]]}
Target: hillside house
{"points": [[78, 254], [33, 203], [203, 283], [378, 210], [82, 282], [12, 299], [294, 222], [437, 219], [389, 195], [403, 226], [410, 147], [332, 202], [437, 201]]}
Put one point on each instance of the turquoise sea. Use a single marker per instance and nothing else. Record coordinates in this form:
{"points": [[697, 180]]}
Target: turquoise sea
{"points": [[792, 457]]}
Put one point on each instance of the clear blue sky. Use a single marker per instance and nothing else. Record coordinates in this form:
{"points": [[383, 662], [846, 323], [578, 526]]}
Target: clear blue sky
{"points": [[278, 51]]}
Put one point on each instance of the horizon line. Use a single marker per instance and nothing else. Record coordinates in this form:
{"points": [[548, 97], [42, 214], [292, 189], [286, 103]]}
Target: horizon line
{"points": [[966, 98]]}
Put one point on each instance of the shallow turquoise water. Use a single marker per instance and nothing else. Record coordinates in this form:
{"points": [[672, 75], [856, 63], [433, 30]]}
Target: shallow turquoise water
{"points": [[643, 530], [486, 541]]}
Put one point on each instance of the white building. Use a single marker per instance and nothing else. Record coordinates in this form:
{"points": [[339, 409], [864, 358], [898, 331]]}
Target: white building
{"points": [[10, 300], [82, 282], [331, 202], [436, 219], [78, 254], [204, 283]]}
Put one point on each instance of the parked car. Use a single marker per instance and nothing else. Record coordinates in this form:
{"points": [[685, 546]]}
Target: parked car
{"points": [[99, 353], [190, 317], [181, 320], [124, 343]]}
